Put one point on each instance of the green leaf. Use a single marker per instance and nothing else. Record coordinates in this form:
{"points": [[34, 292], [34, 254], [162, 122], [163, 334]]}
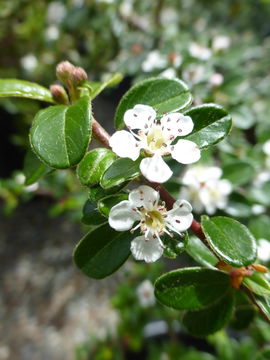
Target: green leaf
{"points": [[258, 284], [230, 240], [191, 288], [207, 321], [239, 172], [24, 89], [212, 124], [263, 302], [94, 164], [121, 170], [97, 192], [102, 251], [259, 227], [174, 246], [33, 169], [200, 253], [60, 134], [164, 95], [105, 204], [91, 215], [96, 88], [261, 194]]}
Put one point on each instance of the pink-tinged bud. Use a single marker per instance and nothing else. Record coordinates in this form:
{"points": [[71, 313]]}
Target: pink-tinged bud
{"points": [[59, 94], [78, 75], [64, 70]]}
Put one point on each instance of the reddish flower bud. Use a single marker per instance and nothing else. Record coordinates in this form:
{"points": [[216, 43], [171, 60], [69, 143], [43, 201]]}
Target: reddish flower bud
{"points": [[59, 94], [78, 75], [64, 70]]}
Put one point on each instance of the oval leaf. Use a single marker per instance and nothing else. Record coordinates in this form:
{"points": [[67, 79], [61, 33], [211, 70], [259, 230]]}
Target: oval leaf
{"points": [[96, 88], [207, 321], [122, 170], [102, 251], [60, 134], [164, 95], [191, 288], [211, 124], [24, 89], [97, 192], [200, 253], [93, 165], [230, 240]]}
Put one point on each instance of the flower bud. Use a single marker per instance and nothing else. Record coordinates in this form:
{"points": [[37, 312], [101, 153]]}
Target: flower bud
{"points": [[64, 70], [59, 94], [78, 75]]}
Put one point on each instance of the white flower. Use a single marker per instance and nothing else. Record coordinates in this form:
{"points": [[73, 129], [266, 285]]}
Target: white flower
{"points": [[193, 74], [145, 293], [56, 12], [154, 60], [52, 33], [199, 51], [155, 137], [204, 188], [29, 62], [154, 220], [221, 43], [263, 250]]}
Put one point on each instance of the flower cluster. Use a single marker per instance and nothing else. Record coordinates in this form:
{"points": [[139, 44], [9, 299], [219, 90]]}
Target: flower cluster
{"points": [[143, 206], [156, 138], [205, 188]]}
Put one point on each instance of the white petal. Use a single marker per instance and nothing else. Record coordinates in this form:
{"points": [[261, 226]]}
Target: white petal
{"points": [[147, 250], [155, 169], [177, 124], [139, 117], [122, 217], [125, 145], [180, 217], [144, 196], [225, 187], [186, 152]]}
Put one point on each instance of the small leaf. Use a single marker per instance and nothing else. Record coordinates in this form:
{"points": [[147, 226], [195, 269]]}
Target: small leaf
{"points": [[207, 321], [259, 227], [94, 164], [102, 251], [97, 192], [211, 124], [105, 204], [33, 168], [164, 95], [239, 172], [24, 89], [91, 215], [230, 240], [200, 253], [97, 87], [263, 302], [258, 284], [122, 170], [60, 134], [174, 246], [191, 288]]}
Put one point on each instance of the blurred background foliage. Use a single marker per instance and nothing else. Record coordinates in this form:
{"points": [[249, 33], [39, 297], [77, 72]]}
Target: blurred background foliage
{"points": [[221, 49]]}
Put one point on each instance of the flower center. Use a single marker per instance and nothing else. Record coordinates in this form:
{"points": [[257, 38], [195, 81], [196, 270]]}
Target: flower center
{"points": [[154, 220], [155, 139]]}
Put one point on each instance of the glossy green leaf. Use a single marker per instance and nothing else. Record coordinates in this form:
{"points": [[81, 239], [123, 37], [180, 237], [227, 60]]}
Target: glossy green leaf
{"points": [[258, 284], [33, 168], [105, 204], [191, 288], [24, 89], [259, 227], [174, 246], [239, 172], [200, 253], [60, 134], [263, 302], [212, 124], [121, 170], [102, 251], [91, 215], [164, 95], [207, 321], [96, 88], [230, 240], [94, 164]]}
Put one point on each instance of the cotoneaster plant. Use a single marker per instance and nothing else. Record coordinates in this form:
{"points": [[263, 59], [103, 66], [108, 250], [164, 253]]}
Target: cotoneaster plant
{"points": [[143, 218]]}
